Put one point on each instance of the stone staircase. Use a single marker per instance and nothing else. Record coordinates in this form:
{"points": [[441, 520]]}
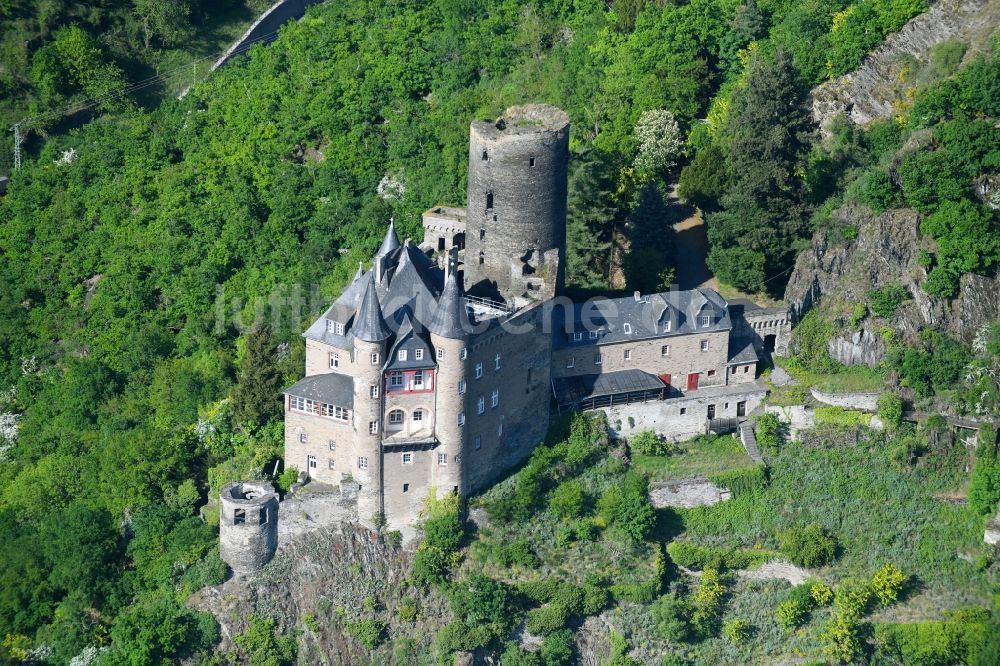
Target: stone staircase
{"points": [[749, 440]]}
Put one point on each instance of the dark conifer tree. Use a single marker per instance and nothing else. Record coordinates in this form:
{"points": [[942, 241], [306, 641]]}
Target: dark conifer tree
{"points": [[255, 398]]}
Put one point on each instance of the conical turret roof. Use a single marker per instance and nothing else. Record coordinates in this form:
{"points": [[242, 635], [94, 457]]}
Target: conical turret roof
{"points": [[451, 319], [369, 325], [390, 242]]}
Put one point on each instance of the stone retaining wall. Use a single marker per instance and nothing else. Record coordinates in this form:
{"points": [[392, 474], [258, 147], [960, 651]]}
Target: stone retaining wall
{"points": [[867, 402]]}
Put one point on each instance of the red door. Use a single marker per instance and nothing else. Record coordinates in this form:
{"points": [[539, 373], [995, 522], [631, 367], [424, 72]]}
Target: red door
{"points": [[693, 381]]}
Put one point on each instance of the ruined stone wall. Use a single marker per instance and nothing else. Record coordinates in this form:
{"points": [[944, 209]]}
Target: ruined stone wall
{"points": [[864, 401]]}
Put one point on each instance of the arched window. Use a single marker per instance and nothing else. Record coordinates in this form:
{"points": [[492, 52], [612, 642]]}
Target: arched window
{"points": [[482, 258], [485, 156], [396, 418], [489, 200], [418, 416]]}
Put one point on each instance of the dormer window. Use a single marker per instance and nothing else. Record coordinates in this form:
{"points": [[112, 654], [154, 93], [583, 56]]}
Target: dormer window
{"points": [[667, 326], [593, 335], [627, 328], [334, 327], [705, 320], [577, 336], [418, 354], [401, 355]]}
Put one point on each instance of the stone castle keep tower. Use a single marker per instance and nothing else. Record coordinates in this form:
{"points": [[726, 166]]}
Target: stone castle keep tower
{"points": [[248, 525], [516, 214]]}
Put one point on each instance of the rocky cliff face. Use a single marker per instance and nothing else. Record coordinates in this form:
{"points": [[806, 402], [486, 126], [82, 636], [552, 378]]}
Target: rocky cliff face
{"points": [[840, 274], [868, 93]]}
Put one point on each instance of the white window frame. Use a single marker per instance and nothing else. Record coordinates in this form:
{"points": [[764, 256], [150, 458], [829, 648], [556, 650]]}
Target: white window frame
{"points": [[500, 429], [628, 354], [362, 462], [666, 328], [396, 417], [461, 418], [418, 380], [627, 328], [334, 360], [665, 351], [461, 387], [479, 370], [593, 335], [401, 355], [496, 361], [598, 359], [442, 459], [464, 354], [571, 363], [373, 390], [478, 442], [705, 345], [407, 458], [440, 353], [334, 327], [332, 443], [418, 354], [705, 320], [375, 358], [577, 336], [495, 398], [481, 405], [303, 438], [418, 415], [332, 464], [373, 427]]}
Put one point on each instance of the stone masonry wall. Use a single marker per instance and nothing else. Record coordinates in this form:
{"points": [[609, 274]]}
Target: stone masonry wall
{"points": [[320, 431], [248, 545], [666, 417], [864, 401]]}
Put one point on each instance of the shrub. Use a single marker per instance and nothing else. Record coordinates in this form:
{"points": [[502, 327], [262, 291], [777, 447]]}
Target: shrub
{"points": [[263, 645], [394, 538], [671, 615], [444, 532], [841, 641], [594, 600], [558, 649], [706, 602], [516, 553], [984, 483], [878, 192], [407, 609], [821, 594], [885, 301], [858, 313], [648, 443], [310, 622], [852, 596], [768, 430], [566, 500], [790, 614], [743, 481], [736, 630], [887, 582], [286, 479], [890, 409], [539, 591], [810, 546], [839, 416], [627, 506], [368, 632], [430, 565], [585, 530], [547, 619]]}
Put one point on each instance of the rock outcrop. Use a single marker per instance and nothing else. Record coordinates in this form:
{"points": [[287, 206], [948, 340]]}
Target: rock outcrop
{"points": [[868, 93], [885, 252]]}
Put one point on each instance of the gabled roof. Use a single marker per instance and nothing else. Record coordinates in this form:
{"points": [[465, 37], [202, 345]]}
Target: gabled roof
{"points": [[332, 388], [369, 325], [407, 339], [413, 287], [451, 319]]}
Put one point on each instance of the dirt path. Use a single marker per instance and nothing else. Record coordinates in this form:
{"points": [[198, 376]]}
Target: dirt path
{"points": [[691, 245]]}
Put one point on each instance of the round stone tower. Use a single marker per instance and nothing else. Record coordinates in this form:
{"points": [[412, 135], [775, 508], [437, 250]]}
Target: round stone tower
{"points": [[516, 228], [449, 334], [248, 525]]}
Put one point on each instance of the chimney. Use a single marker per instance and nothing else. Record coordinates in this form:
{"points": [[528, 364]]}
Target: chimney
{"points": [[638, 296]]}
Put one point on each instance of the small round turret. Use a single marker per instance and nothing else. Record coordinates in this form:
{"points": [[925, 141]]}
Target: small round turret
{"points": [[248, 525]]}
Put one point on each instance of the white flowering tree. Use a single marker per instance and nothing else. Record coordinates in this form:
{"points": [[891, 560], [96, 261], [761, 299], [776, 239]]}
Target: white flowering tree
{"points": [[660, 142], [8, 422]]}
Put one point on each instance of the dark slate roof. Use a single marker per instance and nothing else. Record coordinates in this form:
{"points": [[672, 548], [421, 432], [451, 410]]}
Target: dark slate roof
{"points": [[451, 320], [569, 390], [625, 318], [741, 351], [390, 242], [409, 340], [332, 388], [369, 324], [414, 286]]}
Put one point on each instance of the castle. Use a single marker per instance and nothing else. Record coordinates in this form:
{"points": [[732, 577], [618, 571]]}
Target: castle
{"points": [[439, 366]]}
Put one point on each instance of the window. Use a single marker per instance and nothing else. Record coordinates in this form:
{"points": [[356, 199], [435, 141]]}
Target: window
{"points": [[570, 362], [331, 463], [706, 321], [375, 358], [479, 370], [442, 459], [407, 458], [464, 354], [489, 200], [373, 427], [478, 442], [312, 462], [239, 517], [684, 410], [486, 156], [334, 327], [665, 351], [628, 354], [303, 405], [593, 335], [481, 405], [406, 487], [334, 360], [746, 369], [418, 415], [627, 328], [418, 380], [395, 379], [711, 373], [332, 443], [531, 161], [577, 336], [396, 416], [401, 355], [373, 390], [303, 438], [495, 398], [461, 386], [440, 354], [482, 258], [362, 462], [496, 361], [482, 234], [500, 429], [262, 516], [704, 345], [461, 419], [667, 326], [418, 354], [597, 358], [334, 412]]}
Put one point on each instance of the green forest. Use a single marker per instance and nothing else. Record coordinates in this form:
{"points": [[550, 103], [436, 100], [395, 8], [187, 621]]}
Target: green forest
{"points": [[144, 242]]}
